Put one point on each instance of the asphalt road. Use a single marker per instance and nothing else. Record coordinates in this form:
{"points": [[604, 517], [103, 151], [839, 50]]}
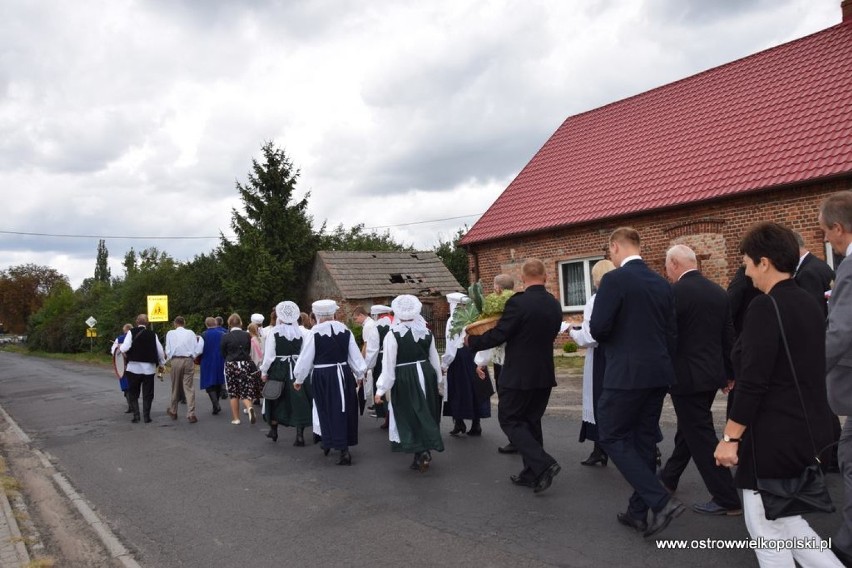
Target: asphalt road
{"points": [[213, 494]]}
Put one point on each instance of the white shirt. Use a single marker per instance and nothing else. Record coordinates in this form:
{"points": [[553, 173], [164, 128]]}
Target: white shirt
{"points": [[181, 342], [370, 335], [139, 367], [629, 258]]}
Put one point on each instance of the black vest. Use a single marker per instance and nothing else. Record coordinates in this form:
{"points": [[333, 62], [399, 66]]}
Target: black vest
{"points": [[144, 346]]}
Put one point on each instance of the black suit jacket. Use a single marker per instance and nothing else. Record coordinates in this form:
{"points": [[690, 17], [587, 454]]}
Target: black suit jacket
{"points": [[741, 292], [814, 276], [634, 317], [705, 335], [528, 327]]}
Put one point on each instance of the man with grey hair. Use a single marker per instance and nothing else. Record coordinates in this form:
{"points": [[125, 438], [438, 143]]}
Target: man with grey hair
{"points": [[702, 363], [835, 220], [813, 274]]}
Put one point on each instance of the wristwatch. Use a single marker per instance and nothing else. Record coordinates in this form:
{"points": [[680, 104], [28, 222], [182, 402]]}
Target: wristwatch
{"points": [[726, 438]]}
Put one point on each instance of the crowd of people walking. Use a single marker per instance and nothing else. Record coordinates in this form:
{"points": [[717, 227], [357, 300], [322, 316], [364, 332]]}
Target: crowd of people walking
{"points": [[765, 343]]}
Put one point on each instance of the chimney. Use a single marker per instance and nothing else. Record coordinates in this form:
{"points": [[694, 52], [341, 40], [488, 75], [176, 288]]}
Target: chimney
{"points": [[846, 8]]}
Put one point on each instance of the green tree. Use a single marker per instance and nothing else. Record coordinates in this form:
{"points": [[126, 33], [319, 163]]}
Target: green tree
{"points": [[455, 257], [358, 239], [102, 271], [275, 242]]}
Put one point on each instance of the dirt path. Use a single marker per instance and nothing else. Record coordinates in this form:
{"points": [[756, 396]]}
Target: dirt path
{"points": [[55, 533]]}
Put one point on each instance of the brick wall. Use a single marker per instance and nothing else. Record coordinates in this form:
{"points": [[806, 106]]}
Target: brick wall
{"points": [[713, 230]]}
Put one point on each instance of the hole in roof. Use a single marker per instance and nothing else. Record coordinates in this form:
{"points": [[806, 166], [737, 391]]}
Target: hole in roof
{"points": [[396, 279]]}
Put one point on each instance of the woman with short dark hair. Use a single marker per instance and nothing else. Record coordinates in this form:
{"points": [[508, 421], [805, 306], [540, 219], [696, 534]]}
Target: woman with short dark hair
{"points": [[767, 434], [241, 374]]}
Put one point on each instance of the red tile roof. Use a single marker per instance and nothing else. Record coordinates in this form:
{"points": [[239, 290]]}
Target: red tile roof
{"points": [[778, 117]]}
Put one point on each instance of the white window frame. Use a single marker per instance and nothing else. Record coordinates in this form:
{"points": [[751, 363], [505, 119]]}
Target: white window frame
{"points": [[588, 262]]}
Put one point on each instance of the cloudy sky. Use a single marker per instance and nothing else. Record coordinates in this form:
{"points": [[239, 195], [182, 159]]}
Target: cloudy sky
{"points": [[133, 119]]}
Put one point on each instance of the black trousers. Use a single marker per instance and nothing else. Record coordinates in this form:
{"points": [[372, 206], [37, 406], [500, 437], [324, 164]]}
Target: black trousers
{"points": [[696, 439], [628, 426], [135, 383], [519, 413]]}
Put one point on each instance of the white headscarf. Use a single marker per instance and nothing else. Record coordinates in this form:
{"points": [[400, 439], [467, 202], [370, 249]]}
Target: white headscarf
{"points": [[407, 308], [287, 314]]}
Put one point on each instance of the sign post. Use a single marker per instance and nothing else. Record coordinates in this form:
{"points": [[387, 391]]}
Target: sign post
{"points": [[91, 333], [158, 308]]}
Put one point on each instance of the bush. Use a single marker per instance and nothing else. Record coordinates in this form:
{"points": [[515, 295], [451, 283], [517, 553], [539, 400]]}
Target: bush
{"points": [[569, 347]]}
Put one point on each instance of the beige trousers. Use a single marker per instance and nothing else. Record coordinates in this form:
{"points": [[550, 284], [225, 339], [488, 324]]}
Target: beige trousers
{"points": [[183, 373]]}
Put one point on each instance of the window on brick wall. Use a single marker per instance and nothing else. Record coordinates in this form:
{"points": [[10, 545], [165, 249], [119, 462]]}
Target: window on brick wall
{"points": [[575, 283]]}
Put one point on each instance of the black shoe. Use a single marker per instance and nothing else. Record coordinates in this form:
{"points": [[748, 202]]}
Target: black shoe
{"points": [[636, 524], [217, 409], [345, 458], [459, 428], [508, 449], [424, 461], [325, 451], [147, 419], [521, 481], [664, 516], [135, 419], [300, 438], [273, 433], [545, 479], [128, 411], [598, 456], [415, 465], [475, 429], [317, 438]]}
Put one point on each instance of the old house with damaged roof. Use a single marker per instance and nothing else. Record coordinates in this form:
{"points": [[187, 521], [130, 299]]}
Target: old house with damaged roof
{"points": [[696, 162], [353, 278]]}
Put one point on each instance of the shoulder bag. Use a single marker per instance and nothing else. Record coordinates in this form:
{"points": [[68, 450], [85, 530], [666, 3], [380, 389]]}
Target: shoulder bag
{"points": [[806, 493]]}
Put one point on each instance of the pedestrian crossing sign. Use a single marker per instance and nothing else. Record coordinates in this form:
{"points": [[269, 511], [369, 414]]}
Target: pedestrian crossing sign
{"points": [[158, 308]]}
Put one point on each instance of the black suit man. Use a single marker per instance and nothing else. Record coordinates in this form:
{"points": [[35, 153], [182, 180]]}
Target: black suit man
{"points": [[634, 317], [813, 274], [705, 336], [528, 327]]}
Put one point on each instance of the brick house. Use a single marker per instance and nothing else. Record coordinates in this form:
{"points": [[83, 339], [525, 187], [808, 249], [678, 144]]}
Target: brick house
{"points": [[366, 278], [697, 161]]}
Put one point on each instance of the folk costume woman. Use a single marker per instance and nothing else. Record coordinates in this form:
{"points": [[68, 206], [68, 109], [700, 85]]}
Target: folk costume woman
{"points": [[284, 342], [212, 362], [464, 399], [334, 364], [412, 375], [374, 356]]}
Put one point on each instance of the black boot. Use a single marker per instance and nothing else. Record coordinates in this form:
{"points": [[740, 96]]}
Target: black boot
{"points": [[345, 458], [598, 456], [475, 428], [273, 432], [214, 399], [134, 407], [127, 398], [300, 436], [415, 465], [459, 429], [317, 438]]}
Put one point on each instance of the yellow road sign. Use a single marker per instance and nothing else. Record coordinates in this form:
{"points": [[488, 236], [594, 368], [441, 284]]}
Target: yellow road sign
{"points": [[91, 332], [158, 308]]}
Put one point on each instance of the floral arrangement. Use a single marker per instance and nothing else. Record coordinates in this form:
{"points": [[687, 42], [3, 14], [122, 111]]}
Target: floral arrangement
{"points": [[479, 308]]}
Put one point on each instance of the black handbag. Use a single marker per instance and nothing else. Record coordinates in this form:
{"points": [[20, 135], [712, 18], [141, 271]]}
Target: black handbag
{"points": [[798, 495]]}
